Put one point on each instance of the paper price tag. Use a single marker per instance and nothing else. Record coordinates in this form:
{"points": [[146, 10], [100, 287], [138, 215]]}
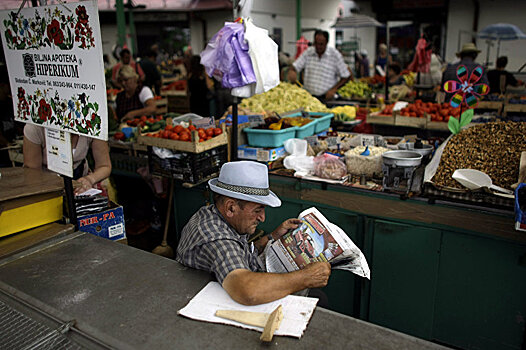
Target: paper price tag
{"points": [[399, 105], [204, 123], [312, 140], [256, 119], [367, 140], [332, 141], [58, 152]]}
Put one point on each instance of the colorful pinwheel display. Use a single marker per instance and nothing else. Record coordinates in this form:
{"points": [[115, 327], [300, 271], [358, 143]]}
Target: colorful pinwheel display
{"points": [[466, 89]]}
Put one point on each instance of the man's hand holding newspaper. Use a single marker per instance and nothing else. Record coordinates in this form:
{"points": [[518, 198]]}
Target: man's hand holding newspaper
{"points": [[314, 239]]}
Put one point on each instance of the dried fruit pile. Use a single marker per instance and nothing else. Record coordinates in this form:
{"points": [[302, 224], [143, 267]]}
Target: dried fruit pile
{"points": [[494, 148]]}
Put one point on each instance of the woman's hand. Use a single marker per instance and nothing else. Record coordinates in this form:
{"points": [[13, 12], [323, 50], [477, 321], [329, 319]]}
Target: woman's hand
{"points": [[84, 185]]}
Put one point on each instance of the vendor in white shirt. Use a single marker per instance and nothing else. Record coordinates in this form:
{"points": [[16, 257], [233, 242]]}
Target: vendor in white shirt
{"points": [[325, 69], [135, 100]]}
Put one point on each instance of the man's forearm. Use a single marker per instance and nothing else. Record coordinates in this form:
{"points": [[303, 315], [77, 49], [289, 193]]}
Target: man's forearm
{"points": [[253, 288]]}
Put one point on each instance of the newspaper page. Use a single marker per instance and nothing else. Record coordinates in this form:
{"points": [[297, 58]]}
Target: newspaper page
{"points": [[315, 239]]}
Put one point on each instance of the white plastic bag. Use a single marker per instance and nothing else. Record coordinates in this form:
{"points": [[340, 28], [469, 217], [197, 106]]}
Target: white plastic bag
{"points": [[263, 53], [298, 159]]}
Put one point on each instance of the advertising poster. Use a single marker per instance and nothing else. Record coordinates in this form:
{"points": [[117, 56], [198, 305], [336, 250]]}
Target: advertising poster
{"points": [[56, 72]]}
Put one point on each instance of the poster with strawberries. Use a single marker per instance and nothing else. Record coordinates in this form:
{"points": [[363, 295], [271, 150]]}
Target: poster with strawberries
{"points": [[54, 59]]}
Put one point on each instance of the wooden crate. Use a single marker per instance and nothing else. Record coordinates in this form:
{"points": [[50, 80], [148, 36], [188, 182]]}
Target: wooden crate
{"points": [[377, 118], [193, 146], [437, 126], [177, 101], [494, 105], [517, 108], [161, 106], [412, 122]]}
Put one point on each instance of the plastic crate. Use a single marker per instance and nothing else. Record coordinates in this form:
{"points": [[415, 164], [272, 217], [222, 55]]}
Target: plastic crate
{"points": [[126, 163], [269, 138], [189, 167], [306, 130], [323, 121]]}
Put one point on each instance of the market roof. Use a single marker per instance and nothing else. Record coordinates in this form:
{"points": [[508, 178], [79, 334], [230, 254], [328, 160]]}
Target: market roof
{"points": [[357, 21], [167, 5]]}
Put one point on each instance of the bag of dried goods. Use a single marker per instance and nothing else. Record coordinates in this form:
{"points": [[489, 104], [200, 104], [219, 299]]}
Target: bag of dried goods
{"points": [[329, 166], [370, 165]]}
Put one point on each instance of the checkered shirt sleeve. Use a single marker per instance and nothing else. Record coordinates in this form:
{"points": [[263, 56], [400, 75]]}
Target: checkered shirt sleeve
{"points": [[209, 243]]}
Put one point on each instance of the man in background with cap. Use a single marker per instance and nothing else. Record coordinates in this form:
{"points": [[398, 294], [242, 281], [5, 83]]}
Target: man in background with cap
{"points": [[215, 238], [467, 56]]}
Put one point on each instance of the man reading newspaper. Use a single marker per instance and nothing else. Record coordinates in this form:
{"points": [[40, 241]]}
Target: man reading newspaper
{"points": [[215, 239]]}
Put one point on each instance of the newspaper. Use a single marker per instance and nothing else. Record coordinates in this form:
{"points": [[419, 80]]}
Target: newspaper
{"points": [[315, 239]]}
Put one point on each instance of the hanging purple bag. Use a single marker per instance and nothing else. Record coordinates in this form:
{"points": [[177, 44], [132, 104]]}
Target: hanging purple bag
{"points": [[226, 57]]}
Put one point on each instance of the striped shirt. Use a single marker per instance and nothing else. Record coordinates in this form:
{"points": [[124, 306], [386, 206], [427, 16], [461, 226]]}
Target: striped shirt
{"points": [[321, 74], [209, 243]]}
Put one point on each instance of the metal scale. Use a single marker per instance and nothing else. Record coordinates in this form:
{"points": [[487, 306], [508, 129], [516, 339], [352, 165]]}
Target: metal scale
{"points": [[400, 168]]}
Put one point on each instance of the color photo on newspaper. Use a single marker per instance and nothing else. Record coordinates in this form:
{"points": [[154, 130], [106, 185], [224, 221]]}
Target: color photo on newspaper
{"points": [[315, 239]]}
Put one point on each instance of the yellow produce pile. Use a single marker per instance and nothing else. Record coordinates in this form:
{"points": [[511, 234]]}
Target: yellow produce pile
{"points": [[289, 122], [283, 98], [344, 113], [356, 89], [410, 78]]}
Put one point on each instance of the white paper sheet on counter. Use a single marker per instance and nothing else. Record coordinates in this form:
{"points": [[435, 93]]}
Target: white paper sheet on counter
{"points": [[297, 310]]}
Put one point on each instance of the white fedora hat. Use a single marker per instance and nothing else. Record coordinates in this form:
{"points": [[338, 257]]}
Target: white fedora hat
{"points": [[245, 180]]}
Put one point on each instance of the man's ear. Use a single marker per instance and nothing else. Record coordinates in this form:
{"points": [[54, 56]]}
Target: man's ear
{"points": [[230, 207]]}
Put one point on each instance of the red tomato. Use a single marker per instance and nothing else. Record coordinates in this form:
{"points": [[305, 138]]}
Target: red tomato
{"points": [[191, 127], [209, 132], [174, 136], [184, 136], [178, 129], [217, 131]]}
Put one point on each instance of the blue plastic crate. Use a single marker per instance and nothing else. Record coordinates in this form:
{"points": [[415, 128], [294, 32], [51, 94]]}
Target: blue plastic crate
{"points": [[269, 138], [305, 130], [323, 121]]}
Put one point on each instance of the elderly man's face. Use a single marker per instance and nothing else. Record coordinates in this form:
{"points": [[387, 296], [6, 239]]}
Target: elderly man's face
{"points": [[247, 217], [320, 44]]}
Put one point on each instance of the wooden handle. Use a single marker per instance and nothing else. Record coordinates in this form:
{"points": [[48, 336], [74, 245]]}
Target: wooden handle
{"points": [[258, 319], [274, 320]]}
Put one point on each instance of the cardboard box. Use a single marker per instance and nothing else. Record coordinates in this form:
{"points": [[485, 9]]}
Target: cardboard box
{"points": [[107, 224], [260, 154]]}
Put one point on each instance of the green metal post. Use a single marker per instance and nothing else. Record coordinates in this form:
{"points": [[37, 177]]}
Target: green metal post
{"points": [[298, 19], [133, 35], [121, 23]]}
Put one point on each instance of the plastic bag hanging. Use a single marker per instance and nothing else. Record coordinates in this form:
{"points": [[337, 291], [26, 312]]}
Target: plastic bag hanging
{"points": [[226, 57], [263, 52]]}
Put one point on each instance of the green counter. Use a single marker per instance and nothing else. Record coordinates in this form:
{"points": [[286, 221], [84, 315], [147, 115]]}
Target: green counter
{"points": [[440, 272]]}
